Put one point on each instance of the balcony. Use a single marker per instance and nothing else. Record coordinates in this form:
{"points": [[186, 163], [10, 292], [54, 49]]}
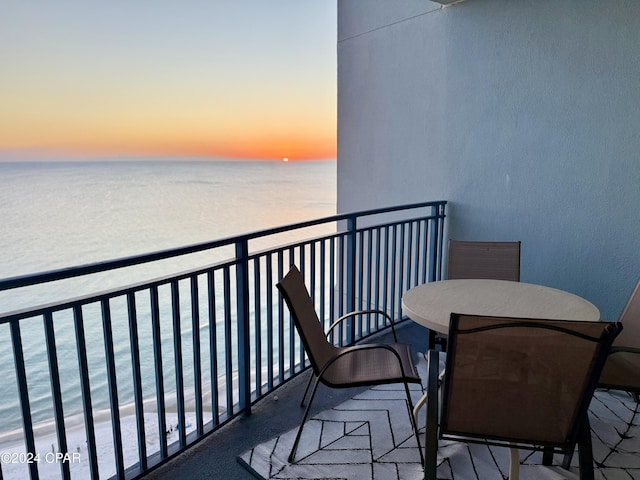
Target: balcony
{"points": [[177, 376], [121, 381]]}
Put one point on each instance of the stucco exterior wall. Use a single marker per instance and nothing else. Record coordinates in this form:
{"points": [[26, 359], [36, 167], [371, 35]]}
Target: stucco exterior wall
{"points": [[524, 115]]}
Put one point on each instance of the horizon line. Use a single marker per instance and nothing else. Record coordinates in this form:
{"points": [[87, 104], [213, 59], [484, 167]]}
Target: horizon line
{"points": [[8, 158]]}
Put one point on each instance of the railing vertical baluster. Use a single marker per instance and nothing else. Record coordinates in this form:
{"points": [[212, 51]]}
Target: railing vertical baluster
{"points": [[312, 272], [137, 379], [197, 364], [157, 358], [401, 262], [257, 326], [21, 374], [323, 284], [177, 357], [113, 387], [440, 237], [269, 287], [394, 256], [213, 348], [228, 345], [434, 247], [312, 275], [410, 256], [377, 269], [85, 387], [54, 376], [341, 290], [423, 245], [332, 287], [369, 275], [386, 272], [243, 328], [425, 251], [340, 277], [360, 284], [292, 330], [280, 322], [351, 276], [418, 255]]}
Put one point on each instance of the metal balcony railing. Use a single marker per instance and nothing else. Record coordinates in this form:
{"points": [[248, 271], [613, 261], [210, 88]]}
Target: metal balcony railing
{"points": [[111, 384]]}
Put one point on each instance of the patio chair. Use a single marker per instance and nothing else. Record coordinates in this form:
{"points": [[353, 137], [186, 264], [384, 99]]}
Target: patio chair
{"points": [[488, 260], [622, 368], [494, 260], [517, 383], [343, 367]]}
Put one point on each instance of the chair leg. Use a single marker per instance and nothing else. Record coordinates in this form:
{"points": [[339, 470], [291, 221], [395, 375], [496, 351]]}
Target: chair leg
{"points": [[306, 390], [431, 343], [585, 451], [547, 456], [514, 464], [566, 460], [414, 424], [431, 431], [292, 454]]}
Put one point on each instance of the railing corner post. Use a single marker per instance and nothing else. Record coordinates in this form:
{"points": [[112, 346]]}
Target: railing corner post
{"points": [[242, 299]]}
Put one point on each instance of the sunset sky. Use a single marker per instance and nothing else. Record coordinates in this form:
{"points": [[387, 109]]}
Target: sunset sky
{"points": [[241, 78]]}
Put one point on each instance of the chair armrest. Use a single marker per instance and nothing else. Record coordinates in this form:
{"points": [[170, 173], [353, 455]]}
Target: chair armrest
{"points": [[364, 312], [624, 349]]}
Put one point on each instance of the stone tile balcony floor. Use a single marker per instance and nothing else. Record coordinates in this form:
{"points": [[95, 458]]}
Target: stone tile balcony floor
{"points": [[349, 427]]}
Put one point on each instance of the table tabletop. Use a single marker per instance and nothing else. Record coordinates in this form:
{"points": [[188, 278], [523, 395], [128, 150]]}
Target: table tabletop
{"points": [[431, 304]]}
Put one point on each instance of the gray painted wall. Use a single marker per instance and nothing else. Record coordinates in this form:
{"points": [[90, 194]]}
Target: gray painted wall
{"points": [[524, 115]]}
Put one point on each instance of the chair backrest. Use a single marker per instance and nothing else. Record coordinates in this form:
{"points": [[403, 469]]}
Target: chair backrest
{"points": [[521, 382], [630, 319], [304, 316], [494, 260]]}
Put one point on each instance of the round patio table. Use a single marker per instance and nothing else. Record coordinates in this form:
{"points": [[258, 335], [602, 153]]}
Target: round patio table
{"points": [[431, 304]]}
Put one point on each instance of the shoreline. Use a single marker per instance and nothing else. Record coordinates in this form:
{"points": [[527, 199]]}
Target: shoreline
{"points": [[49, 458], [103, 415]]}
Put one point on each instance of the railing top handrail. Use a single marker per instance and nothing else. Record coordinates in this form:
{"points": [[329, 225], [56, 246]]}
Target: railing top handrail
{"points": [[97, 267]]}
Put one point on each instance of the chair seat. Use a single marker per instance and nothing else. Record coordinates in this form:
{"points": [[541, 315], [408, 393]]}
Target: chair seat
{"points": [[371, 366], [622, 369]]}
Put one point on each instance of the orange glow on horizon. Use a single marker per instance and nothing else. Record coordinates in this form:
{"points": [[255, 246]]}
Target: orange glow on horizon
{"points": [[304, 139], [237, 131], [294, 149]]}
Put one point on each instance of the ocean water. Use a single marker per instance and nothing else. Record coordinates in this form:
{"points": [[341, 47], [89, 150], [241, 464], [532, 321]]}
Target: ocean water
{"points": [[61, 214]]}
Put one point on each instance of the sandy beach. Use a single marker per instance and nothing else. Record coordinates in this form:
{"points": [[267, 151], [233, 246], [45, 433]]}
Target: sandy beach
{"points": [[15, 462]]}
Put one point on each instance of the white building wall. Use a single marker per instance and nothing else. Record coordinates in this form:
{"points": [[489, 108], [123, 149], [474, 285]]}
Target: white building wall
{"points": [[524, 115]]}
